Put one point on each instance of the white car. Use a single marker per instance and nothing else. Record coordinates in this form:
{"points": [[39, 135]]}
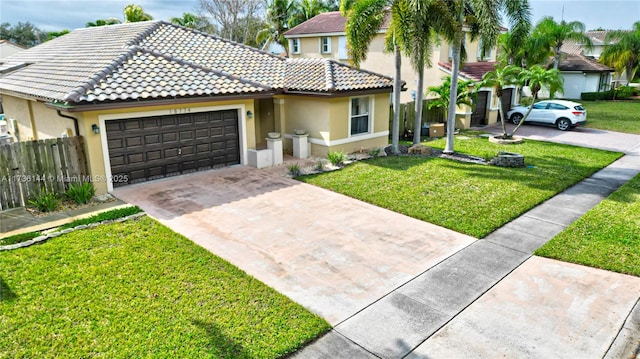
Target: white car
{"points": [[562, 114]]}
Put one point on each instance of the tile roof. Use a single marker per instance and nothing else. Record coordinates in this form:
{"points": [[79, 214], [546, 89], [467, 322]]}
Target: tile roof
{"points": [[579, 62], [472, 70], [155, 59], [327, 22], [574, 48]]}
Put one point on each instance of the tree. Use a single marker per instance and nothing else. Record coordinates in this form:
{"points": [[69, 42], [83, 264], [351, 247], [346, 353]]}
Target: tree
{"points": [[463, 95], [103, 22], [622, 51], [549, 35], [278, 15], [537, 77], [304, 10], [497, 79], [23, 33], [364, 20], [134, 13], [482, 18], [187, 20], [54, 34], [233, 18]]}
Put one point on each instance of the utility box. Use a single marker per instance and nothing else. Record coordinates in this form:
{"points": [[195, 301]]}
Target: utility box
{"points": [[436, 130]]}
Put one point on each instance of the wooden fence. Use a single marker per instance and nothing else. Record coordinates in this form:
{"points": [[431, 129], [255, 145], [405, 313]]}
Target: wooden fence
{"points": [[28, 168], [408, 115]]}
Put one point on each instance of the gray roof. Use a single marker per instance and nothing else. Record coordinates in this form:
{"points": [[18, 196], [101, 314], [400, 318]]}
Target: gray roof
{"points": [[158, 60]]}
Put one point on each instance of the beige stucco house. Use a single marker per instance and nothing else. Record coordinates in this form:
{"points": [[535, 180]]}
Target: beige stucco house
{"points": [[324, 37], [153, 99], [8, 48]]}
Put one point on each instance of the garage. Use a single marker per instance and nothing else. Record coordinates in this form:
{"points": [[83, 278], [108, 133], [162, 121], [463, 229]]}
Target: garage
{"points": [[147, 148]]}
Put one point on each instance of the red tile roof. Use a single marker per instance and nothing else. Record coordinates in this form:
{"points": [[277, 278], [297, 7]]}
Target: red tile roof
{"points": [[325, 23], [472, 70]]}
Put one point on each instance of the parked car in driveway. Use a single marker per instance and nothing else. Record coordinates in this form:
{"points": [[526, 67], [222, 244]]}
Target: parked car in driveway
{"points": [[560, 113]]}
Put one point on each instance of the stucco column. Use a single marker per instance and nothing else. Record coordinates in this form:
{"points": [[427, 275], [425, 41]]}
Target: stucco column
{"points": [[279, 115]]}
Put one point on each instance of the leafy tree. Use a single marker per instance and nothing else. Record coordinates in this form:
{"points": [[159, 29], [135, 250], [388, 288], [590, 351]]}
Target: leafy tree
{"points": [[497, 79], [103, 22], [482, 19], [549, 36], [234, 19], [135, 13], [537, 77], [193, 21], [622, 51], [304, 10], [364, 19], [278, 14], [23, 33], [53, 34]]}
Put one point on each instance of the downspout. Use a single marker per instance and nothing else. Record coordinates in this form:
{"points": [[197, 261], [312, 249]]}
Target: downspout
{"points": [[75, 122]]}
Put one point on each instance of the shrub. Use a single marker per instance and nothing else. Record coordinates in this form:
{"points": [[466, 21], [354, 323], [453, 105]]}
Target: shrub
{"points": [[526, 101], [336, 157], [23, 237], [594, 96], [374, 152], [294, 169], [81, 193], [623, 92], [45, 201]]}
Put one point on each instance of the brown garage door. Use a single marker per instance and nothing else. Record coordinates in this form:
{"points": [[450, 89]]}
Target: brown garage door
{"points": [[143, 149]]}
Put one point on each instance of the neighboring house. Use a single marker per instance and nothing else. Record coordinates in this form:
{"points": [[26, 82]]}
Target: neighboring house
{"points": [[323, 36], [154, 99], [581, 70], [583, 74], [8, 48]]}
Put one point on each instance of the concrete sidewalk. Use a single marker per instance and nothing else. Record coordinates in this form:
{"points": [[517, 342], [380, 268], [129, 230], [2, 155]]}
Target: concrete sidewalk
{"points": [[494, 299]]}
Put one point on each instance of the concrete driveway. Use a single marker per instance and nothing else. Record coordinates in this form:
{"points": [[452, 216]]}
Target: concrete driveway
{"points": [[579, 136], [333, 254]]}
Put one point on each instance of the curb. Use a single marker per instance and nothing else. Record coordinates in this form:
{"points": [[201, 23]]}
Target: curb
{"points": [[68, 230]]}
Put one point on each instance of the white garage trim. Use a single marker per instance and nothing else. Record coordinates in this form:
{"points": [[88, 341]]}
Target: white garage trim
{"points": [[242, 128]]}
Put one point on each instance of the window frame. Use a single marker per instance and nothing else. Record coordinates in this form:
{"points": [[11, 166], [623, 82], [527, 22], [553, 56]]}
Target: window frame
{"points": [[295, 46], [369, 114], [487, 55], [322, 49]]}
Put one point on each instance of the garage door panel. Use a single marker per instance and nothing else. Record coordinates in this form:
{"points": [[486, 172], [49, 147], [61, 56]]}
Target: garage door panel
{"points": [[154, 147]]}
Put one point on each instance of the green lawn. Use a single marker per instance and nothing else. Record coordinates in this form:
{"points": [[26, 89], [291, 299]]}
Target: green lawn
{"points": [[607, 237], [136, 289], [620, 116], [468, 198]]}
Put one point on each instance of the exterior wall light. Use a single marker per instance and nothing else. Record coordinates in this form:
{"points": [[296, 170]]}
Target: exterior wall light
{"points": [[249, 114], [95, 129]]}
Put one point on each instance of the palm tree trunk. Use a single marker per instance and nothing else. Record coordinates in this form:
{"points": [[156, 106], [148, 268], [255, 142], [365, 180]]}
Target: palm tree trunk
{"points": [[453, 90], [417, 125], [502, 119], [395, 126], [533, 100], [556, 59]]}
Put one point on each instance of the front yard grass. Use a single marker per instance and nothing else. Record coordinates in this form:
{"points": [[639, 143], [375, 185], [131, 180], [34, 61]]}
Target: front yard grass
{"points": [[619, 116], [468, 198], [137, 289], [607, 237]]}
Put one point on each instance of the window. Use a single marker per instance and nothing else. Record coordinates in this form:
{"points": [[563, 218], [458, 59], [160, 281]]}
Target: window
{"points": [[325, 45], [487, 54], [359, 115], [295, 46], [540, 106], [557, 106]]}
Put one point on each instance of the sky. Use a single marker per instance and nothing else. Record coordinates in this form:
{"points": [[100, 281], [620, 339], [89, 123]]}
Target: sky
{"points": [[55, 15]]}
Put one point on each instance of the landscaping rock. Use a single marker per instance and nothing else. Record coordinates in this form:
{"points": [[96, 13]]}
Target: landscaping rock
{"points": [[508, 159], [104, 198], [420, 150]]}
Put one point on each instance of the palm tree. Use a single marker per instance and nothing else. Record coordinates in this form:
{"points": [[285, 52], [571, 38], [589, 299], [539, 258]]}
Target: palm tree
{"points": [[622, 51], [482, 18], [549, 35], [278, 14], [134, 13], [463, 95], [364, 19], [497, 79], [103, 22], [537, 77], [306, 9]]}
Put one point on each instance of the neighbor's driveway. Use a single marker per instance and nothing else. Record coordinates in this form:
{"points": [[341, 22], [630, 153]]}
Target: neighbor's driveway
{"points": [[333, 254], [579, 136]]}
